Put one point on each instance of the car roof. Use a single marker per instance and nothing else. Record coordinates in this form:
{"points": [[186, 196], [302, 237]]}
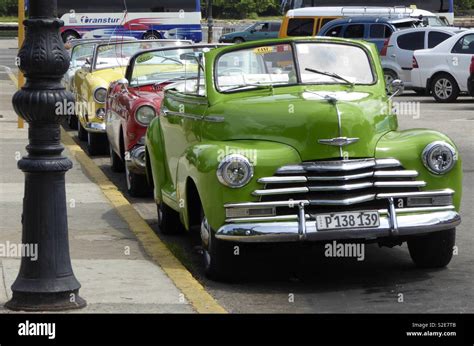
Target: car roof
{"points": [[370, 19], [447, 29], [321, 11]]}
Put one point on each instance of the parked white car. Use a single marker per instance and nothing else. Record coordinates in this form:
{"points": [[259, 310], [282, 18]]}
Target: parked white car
{"points": [[397, 53], [444, 70]]}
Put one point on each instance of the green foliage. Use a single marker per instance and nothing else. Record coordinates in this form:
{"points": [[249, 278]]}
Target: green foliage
{"points": [[464, 5], [8, 8], [242, 8]]}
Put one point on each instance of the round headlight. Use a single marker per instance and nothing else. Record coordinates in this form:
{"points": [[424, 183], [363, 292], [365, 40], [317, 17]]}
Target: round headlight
{"points": [[100, 95], [145, 115], [439, 157], [235, 171]]}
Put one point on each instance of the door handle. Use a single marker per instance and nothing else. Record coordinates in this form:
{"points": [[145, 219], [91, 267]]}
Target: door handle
{"points": [[393, 55]]}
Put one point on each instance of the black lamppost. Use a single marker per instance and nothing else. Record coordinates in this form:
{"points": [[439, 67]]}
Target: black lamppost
{"points": [[49, 282], [210, 22]]}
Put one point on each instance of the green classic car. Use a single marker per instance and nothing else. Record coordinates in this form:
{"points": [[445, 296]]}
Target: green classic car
{"points": [[294, 140]]}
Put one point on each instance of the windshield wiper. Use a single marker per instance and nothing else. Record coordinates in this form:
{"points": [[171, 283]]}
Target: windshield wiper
{"points": [[257, 86], [330, 74]]}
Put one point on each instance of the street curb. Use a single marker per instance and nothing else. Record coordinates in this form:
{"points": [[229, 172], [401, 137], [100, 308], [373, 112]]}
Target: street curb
{"points": [[194, 292]]}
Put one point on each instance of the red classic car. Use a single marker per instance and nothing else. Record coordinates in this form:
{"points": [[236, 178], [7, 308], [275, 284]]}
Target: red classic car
{"points": [[132, 103]]}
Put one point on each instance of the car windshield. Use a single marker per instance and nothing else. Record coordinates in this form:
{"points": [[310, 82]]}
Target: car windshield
{"points": [[167, 66], [274, 65], [80, 53], [433, 21], [119, 54]]}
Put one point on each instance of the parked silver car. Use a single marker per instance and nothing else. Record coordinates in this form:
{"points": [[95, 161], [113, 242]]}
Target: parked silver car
{"points": [[397, 53]]}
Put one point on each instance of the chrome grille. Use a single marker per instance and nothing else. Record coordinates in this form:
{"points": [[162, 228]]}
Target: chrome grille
{"points": [[350, 183]]}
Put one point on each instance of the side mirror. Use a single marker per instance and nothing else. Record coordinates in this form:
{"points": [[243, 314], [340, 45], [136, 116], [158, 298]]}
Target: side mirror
{"points": [[396, 88], [88, 61], [253, 31], [123, 84]]}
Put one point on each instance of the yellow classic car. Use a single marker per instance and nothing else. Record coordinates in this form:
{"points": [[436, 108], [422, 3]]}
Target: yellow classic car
{"points": [[92, 80]]}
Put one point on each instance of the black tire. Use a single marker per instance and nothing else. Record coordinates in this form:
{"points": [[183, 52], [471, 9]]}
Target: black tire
{"points": [[116, 163], [151, 35], [218, 255], [389, 76], [238, 40], [72, 122], [444, 88], [70, 35], [137, 184], [81, 132], [96, 144], [168, 220], [434, 250]]}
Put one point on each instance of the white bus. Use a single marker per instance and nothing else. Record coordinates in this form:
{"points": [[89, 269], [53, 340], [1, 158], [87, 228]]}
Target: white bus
{"points": [[142, 19]]}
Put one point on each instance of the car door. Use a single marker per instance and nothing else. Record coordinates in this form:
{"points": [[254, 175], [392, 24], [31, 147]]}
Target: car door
{"points": [[406, 45], [460, 59], [260, 32], [183, 109]]}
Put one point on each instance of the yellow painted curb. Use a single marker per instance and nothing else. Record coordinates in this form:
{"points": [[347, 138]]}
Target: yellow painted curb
{"points": [[194, 292]]}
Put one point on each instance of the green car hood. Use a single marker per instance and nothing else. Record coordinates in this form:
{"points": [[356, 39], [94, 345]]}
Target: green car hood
{"points": [[301, 119]]}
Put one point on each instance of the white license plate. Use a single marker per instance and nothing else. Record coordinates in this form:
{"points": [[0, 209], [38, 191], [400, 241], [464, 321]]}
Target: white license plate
{"points": [[361, 219]]}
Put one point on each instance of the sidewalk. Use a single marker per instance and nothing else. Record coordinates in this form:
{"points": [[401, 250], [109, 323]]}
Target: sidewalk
{"points": [[116, 274]]}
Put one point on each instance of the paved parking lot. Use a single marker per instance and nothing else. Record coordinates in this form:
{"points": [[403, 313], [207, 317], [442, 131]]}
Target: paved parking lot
{"points": [[300, 279]]}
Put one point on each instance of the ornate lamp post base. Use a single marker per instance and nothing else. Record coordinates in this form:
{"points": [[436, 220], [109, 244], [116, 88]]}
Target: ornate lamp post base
{"points": [[34, 302]]}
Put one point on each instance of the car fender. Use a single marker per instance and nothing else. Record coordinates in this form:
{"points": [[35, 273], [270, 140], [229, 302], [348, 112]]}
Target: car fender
{"points": [[199, 165], [407, 147]]}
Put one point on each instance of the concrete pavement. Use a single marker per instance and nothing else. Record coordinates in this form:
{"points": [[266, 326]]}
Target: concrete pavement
{"points": [[116, 273]]}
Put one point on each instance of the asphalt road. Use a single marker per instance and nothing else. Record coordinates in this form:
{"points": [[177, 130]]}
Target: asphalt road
{"points": [[299, 279]]}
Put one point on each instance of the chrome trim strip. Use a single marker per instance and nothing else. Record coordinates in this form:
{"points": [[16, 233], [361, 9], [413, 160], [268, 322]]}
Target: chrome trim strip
{"points": [[396, 174], [387, 163], [294, 217], [168, 113], [289, 203], [400, 184], [444, 192], [289, 231], [347, 187], [213, 119], [271, 192], [337, 166], [282, 180], [343, 202], [418, 210], [342, 177]]}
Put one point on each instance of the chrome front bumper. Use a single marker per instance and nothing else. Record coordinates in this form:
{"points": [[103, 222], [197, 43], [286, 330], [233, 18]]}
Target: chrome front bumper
{"points": [[306, 230], [135, 159]]}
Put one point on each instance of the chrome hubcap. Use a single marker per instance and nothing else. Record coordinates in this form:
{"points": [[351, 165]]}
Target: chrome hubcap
{"points": [[443, 88]]}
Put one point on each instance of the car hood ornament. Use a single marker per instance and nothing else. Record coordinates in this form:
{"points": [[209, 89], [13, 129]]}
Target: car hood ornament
{"points": [[338, 141]]}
